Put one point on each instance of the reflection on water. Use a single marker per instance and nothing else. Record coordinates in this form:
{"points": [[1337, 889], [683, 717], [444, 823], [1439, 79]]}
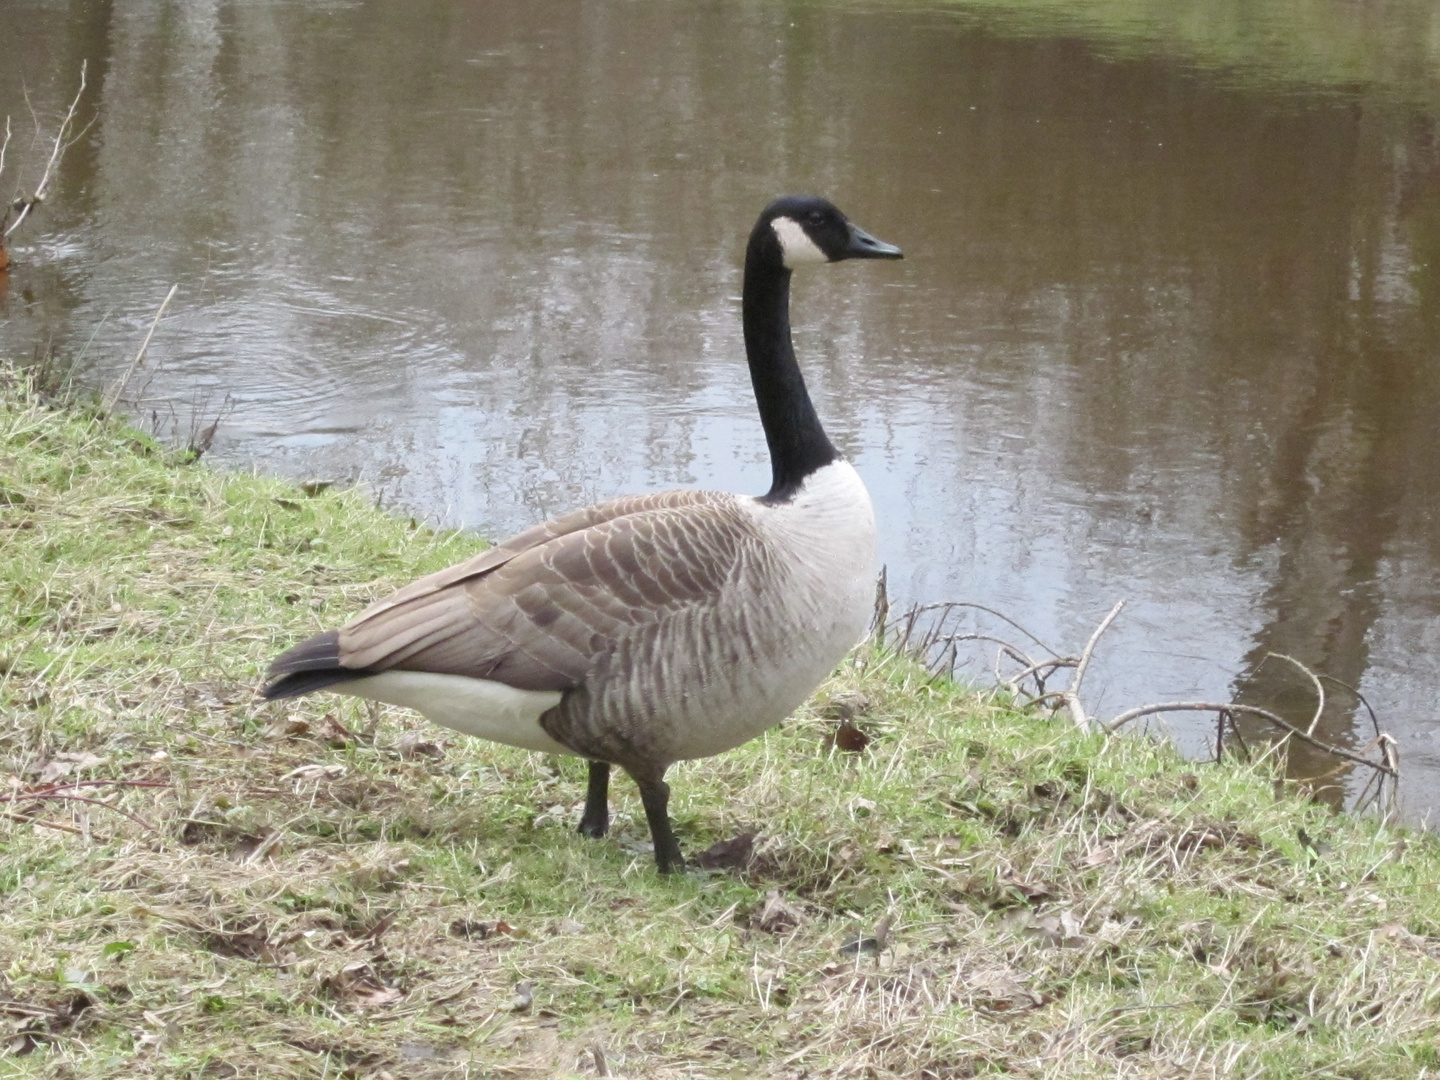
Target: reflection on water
{"points": [[1166, 328]]}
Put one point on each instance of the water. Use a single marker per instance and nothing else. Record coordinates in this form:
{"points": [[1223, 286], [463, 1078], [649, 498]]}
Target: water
{"points": [[1166, 328]]}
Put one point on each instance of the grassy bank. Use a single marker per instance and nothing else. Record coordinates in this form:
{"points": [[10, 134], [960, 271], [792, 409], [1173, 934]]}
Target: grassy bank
{"points": [[1390, 46], [321, 890]]}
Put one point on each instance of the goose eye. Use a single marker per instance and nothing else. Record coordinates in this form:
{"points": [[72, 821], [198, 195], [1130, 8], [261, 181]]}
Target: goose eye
{"points": [[816, 217]]}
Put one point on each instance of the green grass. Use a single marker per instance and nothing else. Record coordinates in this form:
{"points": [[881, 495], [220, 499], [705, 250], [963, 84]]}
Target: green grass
{"points": [[305, 890]]}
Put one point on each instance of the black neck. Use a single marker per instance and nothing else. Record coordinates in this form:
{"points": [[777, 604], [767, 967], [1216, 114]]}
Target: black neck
{"points": [[798, 444]]}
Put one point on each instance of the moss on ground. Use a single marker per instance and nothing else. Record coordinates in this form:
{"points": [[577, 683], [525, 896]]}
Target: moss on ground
{"points": [[325, 889]]}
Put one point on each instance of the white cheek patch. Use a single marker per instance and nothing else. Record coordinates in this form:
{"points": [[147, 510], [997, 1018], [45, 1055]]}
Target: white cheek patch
{"points": [[795, 243]]}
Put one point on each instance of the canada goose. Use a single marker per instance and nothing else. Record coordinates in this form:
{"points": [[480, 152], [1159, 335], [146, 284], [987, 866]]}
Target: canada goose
{"points": [[651, 628]]}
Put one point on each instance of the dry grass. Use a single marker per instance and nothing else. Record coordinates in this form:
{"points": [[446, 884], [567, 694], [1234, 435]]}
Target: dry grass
{"points": [[318, 890]]}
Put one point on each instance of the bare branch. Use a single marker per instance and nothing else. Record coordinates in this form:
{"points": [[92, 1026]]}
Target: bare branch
{"points": [[1248, 710], [1057, 695], [55, 152], [1374, 720], [923, 632], [1072, 695], [948, 606], [1041, 670], [1319, 687], [5, 145], [1239, 736]]}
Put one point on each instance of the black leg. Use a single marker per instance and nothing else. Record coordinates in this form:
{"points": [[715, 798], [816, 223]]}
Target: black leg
{"points": [[655, 794], [596, 820]]}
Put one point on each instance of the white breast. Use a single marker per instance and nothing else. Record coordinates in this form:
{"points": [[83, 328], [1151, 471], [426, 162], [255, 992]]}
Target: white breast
{"points": [[803, 612], [826, 535]]}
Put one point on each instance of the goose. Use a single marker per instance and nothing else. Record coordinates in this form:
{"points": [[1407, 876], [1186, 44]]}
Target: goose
{"points": [[649, 629]]}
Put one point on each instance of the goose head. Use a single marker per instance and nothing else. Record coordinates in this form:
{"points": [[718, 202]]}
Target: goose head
{"points": [[804, 229]]}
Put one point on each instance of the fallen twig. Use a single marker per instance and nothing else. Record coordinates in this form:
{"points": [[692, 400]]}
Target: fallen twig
{"points": [[84, 799], [63, 793], [12, 816]]}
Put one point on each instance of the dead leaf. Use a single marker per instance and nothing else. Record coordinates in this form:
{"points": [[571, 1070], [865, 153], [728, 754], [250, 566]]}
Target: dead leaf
{"points": [[861, 807], [25, 1042], [361, 985], [316, 772], [474, 928], [384, 995], [293, 726], [850, 738], [1062, 929], [413, 744], [1400, 934], [62, 765], [732, 854], [55, 770], [163, 1034], [776, 916], [848, 854], [1001, 990], [1035, 892], [335, 734]]}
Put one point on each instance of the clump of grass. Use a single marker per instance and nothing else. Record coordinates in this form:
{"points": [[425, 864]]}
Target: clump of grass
{"points": [[323, 889]]}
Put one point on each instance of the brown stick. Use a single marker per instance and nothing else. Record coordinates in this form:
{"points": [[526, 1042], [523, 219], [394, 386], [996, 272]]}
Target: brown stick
{"points": [[28, 797], [40, 821], [114, 395]]}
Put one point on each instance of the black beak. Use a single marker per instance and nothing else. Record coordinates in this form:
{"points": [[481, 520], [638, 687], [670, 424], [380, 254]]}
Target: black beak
{"points": [[864, 246]]}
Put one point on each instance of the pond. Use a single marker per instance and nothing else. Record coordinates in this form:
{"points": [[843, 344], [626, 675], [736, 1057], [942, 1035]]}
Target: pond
{"points": [[1166, 329]]}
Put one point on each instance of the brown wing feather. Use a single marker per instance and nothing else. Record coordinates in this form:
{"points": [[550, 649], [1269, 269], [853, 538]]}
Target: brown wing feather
{"points": [[533, 537], [538, 611]]}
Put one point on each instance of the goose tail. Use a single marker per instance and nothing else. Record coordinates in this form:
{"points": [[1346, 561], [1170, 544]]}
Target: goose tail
{"points": [[311, 665]]}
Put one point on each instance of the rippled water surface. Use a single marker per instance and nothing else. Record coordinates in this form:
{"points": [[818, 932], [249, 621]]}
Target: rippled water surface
{"points": [[1166, 328]]}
